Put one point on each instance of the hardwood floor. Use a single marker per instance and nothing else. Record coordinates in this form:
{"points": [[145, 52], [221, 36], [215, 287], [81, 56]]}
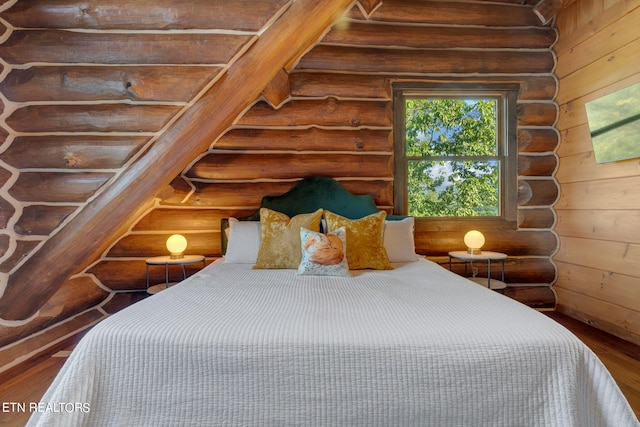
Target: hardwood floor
{"points": [[620, 357], [26, 384]]}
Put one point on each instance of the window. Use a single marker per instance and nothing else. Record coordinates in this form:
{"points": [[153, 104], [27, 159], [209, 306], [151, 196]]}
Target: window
{"points": [[455, 151]]}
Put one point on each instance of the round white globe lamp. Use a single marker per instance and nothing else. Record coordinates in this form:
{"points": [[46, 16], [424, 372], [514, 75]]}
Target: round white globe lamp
{"points": [[176, 244], [474, 241]]}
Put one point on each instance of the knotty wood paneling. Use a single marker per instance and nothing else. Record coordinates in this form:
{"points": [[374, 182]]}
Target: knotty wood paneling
{"points": [[618, 193], [602, 314], [598, 278], [579, 167], [619, 225], [600, 254], [599, 285], [617, 33], [575, 140], [605, 71]]}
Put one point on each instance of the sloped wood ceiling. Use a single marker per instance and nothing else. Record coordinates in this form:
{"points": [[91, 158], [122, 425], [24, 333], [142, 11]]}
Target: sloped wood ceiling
{"points": [[123, 123], [236, 58]]}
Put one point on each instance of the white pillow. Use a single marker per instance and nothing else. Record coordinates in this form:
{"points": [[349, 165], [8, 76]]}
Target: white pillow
{"points": [[398, 240], [243, 242]]}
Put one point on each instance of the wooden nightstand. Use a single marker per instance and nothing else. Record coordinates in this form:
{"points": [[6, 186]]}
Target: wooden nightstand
{"points": [[484, 256], [167, 261]]}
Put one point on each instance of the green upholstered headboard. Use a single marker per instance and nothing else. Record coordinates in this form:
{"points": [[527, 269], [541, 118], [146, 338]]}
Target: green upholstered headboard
{"points": [[311, 194]]}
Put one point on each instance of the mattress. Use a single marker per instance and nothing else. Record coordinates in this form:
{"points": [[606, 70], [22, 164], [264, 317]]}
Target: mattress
{"points": [[416, 345]]}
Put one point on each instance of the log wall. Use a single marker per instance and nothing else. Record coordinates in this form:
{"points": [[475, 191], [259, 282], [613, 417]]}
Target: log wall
{"points": [[87, 91], [599, 207], [79, 111], [337, 121]]}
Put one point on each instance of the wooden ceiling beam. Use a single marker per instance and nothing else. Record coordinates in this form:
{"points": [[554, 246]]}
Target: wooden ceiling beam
{"points": [[102, 220]]}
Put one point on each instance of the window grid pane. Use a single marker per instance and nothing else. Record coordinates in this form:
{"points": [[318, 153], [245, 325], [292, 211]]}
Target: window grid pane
{"points": [[454, 188], [451, 127], [452, 154]]}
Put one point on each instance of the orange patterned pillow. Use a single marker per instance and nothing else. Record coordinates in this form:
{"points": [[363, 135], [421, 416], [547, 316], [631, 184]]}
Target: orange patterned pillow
{"points": [[365, 240], [323, 254], [280, 238]]}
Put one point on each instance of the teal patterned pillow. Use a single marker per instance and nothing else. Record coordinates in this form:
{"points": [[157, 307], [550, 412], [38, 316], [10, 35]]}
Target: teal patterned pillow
{"points": [[324, 254]]}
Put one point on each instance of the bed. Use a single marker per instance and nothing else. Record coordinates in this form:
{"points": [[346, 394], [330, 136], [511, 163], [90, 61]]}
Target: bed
{"points": [[406, 344]]}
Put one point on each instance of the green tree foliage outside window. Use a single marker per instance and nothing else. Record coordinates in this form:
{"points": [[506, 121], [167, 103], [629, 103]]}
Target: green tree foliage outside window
{"points": [[453, 159]]}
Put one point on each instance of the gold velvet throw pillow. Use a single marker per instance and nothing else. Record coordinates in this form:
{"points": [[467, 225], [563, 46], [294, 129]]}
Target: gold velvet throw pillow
{"points": [[365, 240], [280, 238]]}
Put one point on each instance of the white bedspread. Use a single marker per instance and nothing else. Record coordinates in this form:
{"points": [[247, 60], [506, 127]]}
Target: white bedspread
{"points": [[418, 345]]}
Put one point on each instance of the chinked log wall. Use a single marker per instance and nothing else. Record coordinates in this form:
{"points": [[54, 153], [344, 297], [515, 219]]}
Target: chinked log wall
{"points": [[81, 106], [89, 121], [337, 122]]}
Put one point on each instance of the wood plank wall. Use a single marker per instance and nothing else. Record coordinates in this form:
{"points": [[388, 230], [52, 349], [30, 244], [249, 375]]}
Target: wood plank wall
{"points": [[92, 100], [599, 207]]}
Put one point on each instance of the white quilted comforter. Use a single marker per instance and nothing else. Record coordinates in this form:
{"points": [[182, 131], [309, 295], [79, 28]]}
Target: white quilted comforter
{"points": [[417, 345]]}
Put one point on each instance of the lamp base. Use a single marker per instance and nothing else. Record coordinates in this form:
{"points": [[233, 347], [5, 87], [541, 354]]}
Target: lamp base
{"points": [[474, 251], [177, 256]]}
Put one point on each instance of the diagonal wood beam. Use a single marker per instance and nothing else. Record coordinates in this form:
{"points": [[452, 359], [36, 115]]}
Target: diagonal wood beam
{"points": [[101, 220]]}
